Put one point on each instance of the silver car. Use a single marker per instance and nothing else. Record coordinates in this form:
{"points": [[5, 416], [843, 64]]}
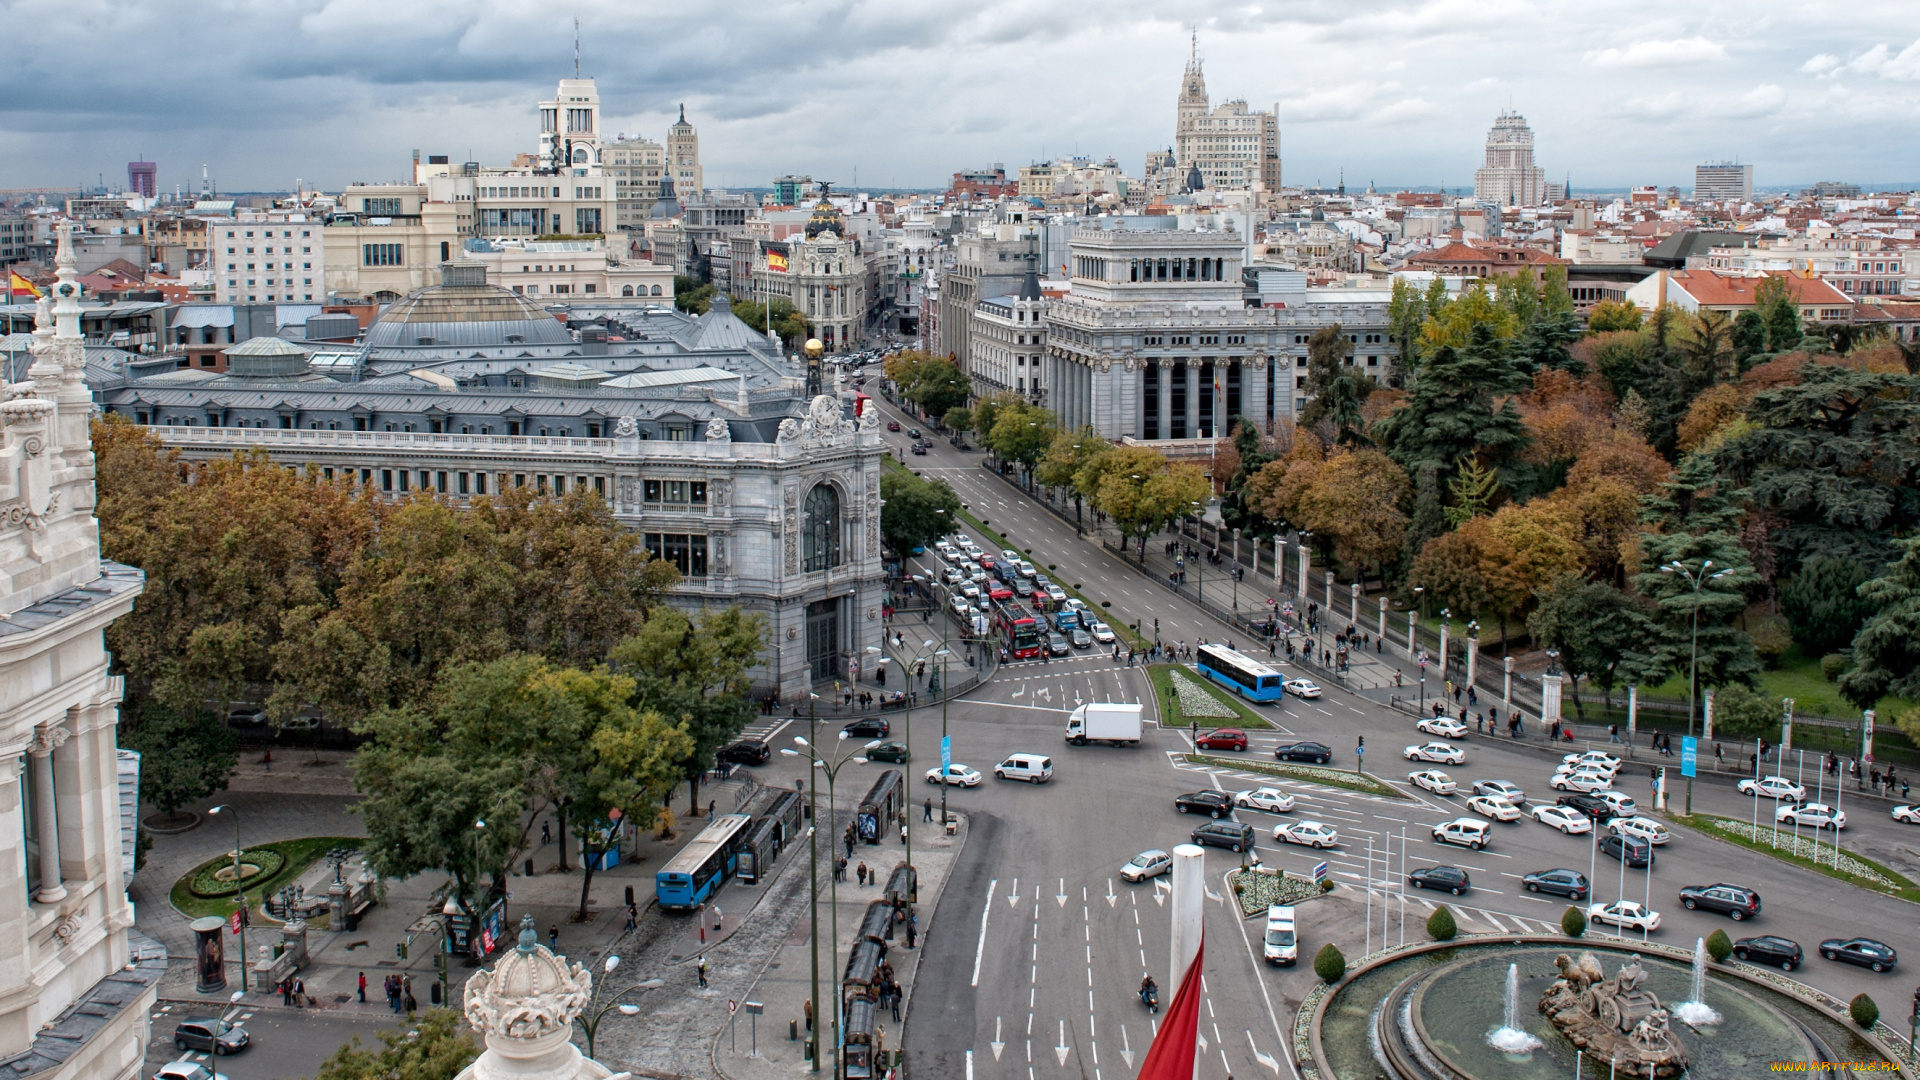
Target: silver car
{"points": [[1146, 865]]}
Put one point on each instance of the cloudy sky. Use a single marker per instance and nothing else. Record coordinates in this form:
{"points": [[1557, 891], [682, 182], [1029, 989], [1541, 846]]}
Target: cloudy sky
{"points": [[904, 92]]}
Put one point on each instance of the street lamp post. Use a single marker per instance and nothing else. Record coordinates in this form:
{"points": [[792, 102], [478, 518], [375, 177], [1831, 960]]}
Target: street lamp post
{"points": [[830, 766], [589, 1020], [240, 883], [1695, 578]]}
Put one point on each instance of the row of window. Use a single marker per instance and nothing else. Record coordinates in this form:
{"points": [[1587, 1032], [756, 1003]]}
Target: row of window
{"points": [[383, 254], [269, 251], [1178, 269], [286, 234]]}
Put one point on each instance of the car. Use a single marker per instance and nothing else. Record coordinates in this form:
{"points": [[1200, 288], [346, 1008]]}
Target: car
{"points": [[1772, 787], [913, 433], [1583, 781], [1597, 758], [1466, 831], [1216, 803], [952, 575], [1504, 788], [1057, 594], [1102, 633], [1022, 585], [1818, 815], [961, 607], [1625, 914], [1074, 603], [1313, 834], [971, 592], [1450, 878], [1622, 803], [1641, 828], [997, 591], [889, 751], [1232, 835], [1595, 767], [1768, 949], [919, 450], [871, 727], [1225, 738], [1443, 753], [955, 774], [1280, 947], [1033, 768], [1571, 884], [187, 1070], [1633, 851], [1433, 780], [1444, 726], [211, 1034], [893, 425], [1301, 688], [1080, 638], [1318, 753], [1908, 813], [1147, 864], [1026, 568], [1866, 952], [1012, 555], [1495, 807], [246, 716], [1058, 645], [1736, 901], [746, 752], [1600, 811], [1567, 820], [1272, 800]]}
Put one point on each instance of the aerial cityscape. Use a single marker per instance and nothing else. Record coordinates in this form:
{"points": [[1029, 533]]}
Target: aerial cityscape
{"points": [[463, 522]]}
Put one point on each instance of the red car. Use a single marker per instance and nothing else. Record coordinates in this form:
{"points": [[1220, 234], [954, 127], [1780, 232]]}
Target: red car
{"points": [[1225, 738], [893, 425]]}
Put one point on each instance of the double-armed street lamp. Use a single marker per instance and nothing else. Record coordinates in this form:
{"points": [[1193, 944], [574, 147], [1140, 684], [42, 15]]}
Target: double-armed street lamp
{"points": [[597, 1009], [827, 761], [240, 883]]}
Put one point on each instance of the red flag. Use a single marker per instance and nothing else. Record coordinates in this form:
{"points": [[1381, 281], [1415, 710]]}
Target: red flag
{"points": [[1172, 1053]]}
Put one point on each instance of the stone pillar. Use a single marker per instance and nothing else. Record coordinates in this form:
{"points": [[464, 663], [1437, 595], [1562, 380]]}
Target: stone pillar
{"points": [[1190, 375], [1253, 392], [1445, 631], [1473, 658], [1306, 568], [1413, 626], [1549, 701], [1506, 689], [1328, 593], [1786, 729], [1633, 712], [1189, 899], [46, 817], [1353, 602], [1163, 400], [1279, 566], [1383, 619]]}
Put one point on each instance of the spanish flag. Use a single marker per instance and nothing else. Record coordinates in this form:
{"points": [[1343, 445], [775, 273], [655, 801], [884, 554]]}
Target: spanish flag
{"points": [[17, 284], [776, 262]]}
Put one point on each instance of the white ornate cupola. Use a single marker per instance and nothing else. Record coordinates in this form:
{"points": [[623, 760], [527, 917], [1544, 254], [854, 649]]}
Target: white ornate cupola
{"points": [[524, 1008]]}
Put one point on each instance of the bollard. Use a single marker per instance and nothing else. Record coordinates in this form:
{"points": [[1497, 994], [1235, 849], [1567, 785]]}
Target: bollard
{"points": [[629, 896], [793, 1031], [529, 868]]}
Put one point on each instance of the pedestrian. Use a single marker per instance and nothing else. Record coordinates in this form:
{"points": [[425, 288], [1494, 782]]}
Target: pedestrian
{"points": [[716, 918], [701, 971], [1874, 776], [286, 991], [1718, 758], [1613, 733], [392, 986], [299, 992], [849, 841], [1903, 787], [806, 1011], [412, 1005], [893, 995], [363, 988], [553, 936], [860, 873], [926, 813], [913, 930], [633, 916], [546, 832], [710, 807]]}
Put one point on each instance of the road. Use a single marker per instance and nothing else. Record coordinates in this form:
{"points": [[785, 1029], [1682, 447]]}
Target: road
{"points": [[285, 1045], [1048, 966]]}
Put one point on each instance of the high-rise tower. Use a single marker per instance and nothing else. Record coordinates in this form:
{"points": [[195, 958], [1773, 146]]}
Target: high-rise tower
{"points": [[1233, 146], [1510, 177], [683, 157]]}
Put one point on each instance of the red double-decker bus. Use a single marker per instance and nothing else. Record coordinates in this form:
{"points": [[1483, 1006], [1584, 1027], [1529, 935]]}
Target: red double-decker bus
{"points": [[1019, 629]]}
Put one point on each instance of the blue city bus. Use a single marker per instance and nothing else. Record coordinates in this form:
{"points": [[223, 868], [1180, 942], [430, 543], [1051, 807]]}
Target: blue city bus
{"points": [[692, 877], [1241, 674]]}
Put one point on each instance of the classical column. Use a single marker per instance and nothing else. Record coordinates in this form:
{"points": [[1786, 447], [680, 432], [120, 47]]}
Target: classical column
{"points": [[1506, 689], [1413, 625], [1353, 603], [1163, 398], [1445, 628], [1473, 657], [1253, 392], [1327, 577], [1306, 568], [46, 824], [1383, 619], [1633, 713], [1190, 373]]}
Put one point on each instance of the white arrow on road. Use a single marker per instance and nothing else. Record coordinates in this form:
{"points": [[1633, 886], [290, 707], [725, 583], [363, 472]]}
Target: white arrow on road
{"points": [[1061, 896], [1126, 1051], [1013, 893], [1214, 896], [1112, 899], [997, 1045], [1203, 1041], [1264, 1059], [1160, 890], [1061, 1051]]}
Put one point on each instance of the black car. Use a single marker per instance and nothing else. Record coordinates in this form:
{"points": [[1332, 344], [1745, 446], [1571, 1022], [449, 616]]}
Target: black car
{"points": [[1737, 901], [1057, 645], [1600, 810], [1451, 878], [1633, 850], [913, 433], [212, 1034], [1768, 950], [1080, 638], [872, 728], [920, 450], [1232, 835], [1866, 952], [1217, 803], [1304, 751], [746, 752], [1568, 883]]}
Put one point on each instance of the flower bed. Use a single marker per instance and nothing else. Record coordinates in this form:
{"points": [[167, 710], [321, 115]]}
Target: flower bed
{"points": [[1260, 891], [1821, 855], [207, 881], [1196, 700]]}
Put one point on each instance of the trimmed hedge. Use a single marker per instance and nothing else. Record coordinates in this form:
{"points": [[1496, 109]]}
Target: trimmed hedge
{"points": [[1441, 925], [1719, 946], [1329, 963], [205, 885], [1573, 922], [1864, 1011]]}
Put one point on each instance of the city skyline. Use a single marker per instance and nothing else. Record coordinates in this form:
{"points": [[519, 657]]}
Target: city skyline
{"points": [[1397, 94]]}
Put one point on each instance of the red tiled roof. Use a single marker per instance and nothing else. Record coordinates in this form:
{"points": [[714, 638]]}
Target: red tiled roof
{"points": [[1728, 291]]}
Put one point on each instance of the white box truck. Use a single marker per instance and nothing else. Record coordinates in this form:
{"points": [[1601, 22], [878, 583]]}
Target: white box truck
{"points": [[1104, 722], [1280, 947]]}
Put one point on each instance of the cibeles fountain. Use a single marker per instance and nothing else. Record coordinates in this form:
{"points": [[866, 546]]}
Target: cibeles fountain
{"points": [[524, 1010], [1507, 1007]]}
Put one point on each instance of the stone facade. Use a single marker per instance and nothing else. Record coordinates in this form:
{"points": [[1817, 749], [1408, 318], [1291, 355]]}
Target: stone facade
{"points": [[71, 1005]]}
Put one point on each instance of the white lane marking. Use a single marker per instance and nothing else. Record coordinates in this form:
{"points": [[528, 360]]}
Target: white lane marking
{"points": [[981, 946], [996, 1045]]}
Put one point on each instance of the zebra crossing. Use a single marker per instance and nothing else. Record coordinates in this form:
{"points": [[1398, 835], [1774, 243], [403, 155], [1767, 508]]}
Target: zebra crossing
{"points": [[1471, 920]]}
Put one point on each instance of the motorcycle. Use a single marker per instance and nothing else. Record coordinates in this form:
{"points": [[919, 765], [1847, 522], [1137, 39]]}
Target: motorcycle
{"points": [[1150, 997]]}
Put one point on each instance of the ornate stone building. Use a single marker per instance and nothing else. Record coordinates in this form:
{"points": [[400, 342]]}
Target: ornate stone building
{"points": [[1233, 146], [73, 1001], [1510, 177]]}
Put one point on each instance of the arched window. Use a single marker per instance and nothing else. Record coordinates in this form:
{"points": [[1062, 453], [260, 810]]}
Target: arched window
{"points": [[656, 290], [626, 290], [820, 532]]}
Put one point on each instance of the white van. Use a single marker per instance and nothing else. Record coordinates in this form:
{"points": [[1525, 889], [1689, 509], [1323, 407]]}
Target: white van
{"points": [[1033, 768], [1467, 832], [1280, 946]]}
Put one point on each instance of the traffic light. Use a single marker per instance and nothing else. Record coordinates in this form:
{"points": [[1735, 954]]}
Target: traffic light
{"points": [[400, 950]]}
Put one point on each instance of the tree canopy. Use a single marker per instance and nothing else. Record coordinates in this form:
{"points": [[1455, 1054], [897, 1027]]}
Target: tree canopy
{"points": [[913, 511]]}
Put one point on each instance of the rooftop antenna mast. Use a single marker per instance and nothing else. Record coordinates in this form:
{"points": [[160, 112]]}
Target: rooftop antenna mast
{"points": [[576, 46]]}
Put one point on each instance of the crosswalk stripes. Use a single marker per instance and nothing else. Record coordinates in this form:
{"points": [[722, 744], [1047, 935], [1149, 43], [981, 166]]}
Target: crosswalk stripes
{"points": [[1466, 916]]}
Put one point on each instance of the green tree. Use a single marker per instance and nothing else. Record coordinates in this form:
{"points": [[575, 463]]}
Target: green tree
{"points": [[1749, 337], [986, 413], [788, 323], [1886, 651], [1707, 348], [1021, 435], [1726, 655], [1719, 946], [938, 385], [1460, 405], [959, 418], [437, 1047], [1573, 922], [694, 668], [1608, 316], [1473, 488], [692, 295], [1329, 963], [1428, 519], [184, 757], [1069, 454], [913, 511], [1823, 604], [1864, 1011], [1406, 311], [1441, 925], [421, 806], [1336, 390], [1744, 712], [1596, 627], [1773, 302]]}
